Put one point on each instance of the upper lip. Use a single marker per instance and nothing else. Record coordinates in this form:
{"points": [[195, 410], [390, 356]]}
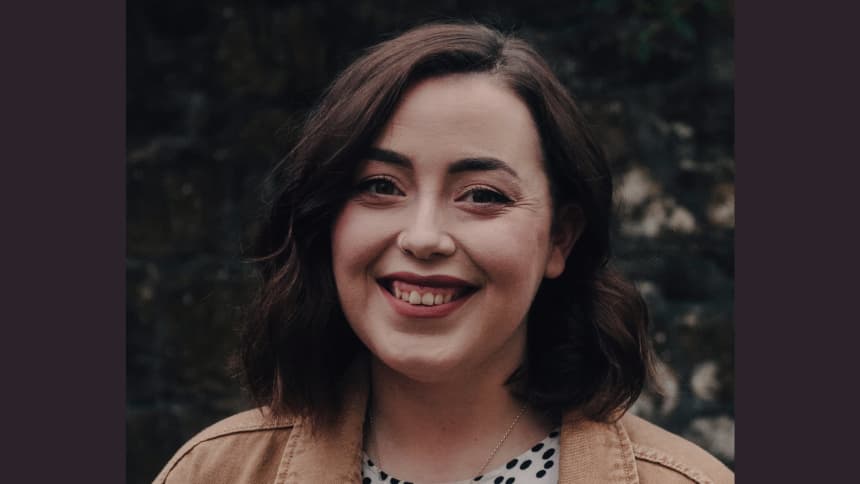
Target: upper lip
{"points": [[434, 280]]}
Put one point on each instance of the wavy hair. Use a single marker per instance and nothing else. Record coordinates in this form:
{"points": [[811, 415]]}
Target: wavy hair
{"points": [[587, 332]]}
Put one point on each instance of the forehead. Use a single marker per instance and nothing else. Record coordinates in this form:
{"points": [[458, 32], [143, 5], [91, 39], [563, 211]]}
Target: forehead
{"points": [[463, 115]]}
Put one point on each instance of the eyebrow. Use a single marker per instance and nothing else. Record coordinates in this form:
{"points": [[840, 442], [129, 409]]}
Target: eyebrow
{"points": [[481, 163]]}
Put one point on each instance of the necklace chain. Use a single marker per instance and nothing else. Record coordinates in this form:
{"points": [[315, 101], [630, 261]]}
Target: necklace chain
{"points": [[489, 459], [504, 438]]}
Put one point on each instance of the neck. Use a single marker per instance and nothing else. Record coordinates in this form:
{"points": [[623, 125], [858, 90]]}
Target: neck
{"points": [[417, 425]]}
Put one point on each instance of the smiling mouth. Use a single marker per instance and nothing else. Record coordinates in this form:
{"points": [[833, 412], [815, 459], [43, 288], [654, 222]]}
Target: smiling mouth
{"points": [[425, 295]]}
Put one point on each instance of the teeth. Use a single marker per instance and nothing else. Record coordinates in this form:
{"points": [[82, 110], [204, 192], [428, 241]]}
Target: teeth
{"points": [[426, 299], [422, 295]]}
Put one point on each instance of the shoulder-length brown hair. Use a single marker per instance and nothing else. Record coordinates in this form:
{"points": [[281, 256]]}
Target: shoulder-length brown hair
{"points": [[587, 331]]}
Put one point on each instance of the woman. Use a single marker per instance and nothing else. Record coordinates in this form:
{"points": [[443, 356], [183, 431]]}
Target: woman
{"points": [[436, 304]]}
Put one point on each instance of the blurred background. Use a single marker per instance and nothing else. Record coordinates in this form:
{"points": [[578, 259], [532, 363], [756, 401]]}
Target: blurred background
{"points": [[214, 86]]}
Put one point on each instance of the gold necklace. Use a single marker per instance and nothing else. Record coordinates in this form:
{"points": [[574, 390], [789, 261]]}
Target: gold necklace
{"points": [[486, 463]]}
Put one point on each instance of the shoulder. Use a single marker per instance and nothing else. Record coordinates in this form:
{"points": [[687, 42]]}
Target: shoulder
{"points": [[662, 456], [230, 449]]}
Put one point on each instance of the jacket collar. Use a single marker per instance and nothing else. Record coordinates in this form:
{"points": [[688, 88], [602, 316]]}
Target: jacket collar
{"points": [[590, 451], [595, 452], [332, 453]]}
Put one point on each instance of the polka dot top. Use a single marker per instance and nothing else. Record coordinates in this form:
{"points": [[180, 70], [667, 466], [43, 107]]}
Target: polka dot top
{"points": [[536, 465]]}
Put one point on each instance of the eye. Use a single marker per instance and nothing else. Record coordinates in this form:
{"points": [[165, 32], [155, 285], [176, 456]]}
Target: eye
{"points": [[379, 186], [485, 196]]}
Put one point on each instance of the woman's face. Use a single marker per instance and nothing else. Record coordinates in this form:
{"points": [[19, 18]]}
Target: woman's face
{"points": [[440, 251]]}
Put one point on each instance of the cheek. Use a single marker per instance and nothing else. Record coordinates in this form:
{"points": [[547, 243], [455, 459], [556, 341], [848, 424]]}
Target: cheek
{"points": [[348, 253], [352, 238], [339, 234], [359, 237], [512, 251]]}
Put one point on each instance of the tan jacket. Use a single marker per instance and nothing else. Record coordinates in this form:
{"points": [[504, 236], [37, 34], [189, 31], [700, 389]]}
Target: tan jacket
{"points": [[251, 447]]}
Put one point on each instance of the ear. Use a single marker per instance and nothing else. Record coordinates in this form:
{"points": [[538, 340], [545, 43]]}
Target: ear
{"points": [[568, 227]]}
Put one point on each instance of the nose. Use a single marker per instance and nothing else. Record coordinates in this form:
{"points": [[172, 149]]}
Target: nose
{"points": [[425, 238]]}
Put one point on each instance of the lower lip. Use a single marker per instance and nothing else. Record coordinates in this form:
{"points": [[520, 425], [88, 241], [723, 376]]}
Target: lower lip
{"points": [[405, 309]]}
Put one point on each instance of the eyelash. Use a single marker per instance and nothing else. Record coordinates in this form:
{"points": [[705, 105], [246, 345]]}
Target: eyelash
{"points": [[367, 187], [498, 197]]}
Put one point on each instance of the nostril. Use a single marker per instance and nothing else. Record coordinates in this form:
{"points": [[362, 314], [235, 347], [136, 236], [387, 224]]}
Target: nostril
{"points": [[426, 245]]}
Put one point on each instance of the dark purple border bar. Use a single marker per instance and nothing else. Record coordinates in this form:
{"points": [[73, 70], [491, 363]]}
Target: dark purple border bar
{"points": [[796, 316], [62, 200]]}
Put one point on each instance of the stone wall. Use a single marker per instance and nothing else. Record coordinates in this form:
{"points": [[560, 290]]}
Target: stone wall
{"points": [[213, 86]]}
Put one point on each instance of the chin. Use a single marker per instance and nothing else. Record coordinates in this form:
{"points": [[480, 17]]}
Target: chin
{"points": [[424, 368]]}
